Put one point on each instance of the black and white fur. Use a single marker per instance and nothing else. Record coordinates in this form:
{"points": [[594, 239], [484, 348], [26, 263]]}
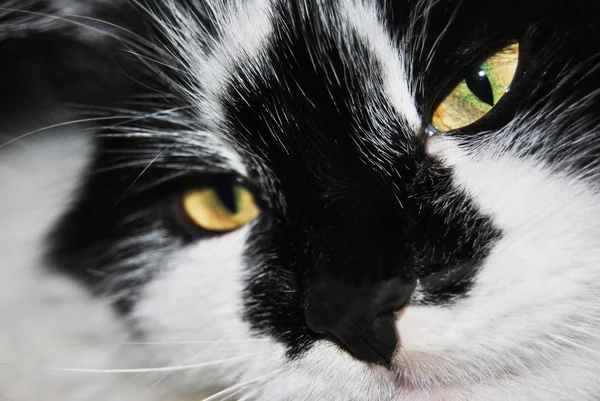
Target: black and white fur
{"points": [[109, 108]]}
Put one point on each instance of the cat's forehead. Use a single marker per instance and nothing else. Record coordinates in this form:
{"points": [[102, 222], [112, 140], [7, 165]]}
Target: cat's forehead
{"points": [[338, 78], [294, 77], [330, 89]]}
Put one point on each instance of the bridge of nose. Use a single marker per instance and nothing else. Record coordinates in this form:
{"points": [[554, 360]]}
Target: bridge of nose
{"points": [[356, 253]]}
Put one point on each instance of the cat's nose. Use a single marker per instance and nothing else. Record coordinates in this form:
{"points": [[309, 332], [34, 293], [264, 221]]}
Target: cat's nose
{"points": [[359, 317]]}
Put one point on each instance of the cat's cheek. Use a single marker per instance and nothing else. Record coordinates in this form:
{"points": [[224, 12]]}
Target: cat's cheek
{"points": [[423, 329], [529, 295], [193, 306]]}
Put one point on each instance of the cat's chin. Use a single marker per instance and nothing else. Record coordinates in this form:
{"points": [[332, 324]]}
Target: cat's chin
{"points": [[327, 373], [421, 372]]}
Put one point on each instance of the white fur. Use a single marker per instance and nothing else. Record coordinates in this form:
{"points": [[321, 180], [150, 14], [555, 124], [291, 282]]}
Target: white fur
{"points": [[533, 310], [528, 331], [243, 27], [197, 298], [366, 22], [60, 342], [47, 321]]}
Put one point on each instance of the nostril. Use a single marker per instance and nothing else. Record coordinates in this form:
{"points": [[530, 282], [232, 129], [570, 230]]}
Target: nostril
{"points": [[360, 318]]}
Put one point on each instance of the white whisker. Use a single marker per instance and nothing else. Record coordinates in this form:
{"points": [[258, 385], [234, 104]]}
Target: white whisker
{"points": [[70, 20], [435, 45], [239, 386], [583, 331], [135, 370], [228, 397], [574, 344], [158, 156], [167, 374], [63, 124], [206, 342]]}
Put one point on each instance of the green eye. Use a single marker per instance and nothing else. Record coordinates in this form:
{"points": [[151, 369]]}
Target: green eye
{"points": [[480, 90], [215, 211]]}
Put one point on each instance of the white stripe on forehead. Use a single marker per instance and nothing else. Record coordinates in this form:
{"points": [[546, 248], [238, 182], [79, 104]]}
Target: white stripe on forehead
{"points": [[245, 31], [209, 60], [366, 22]]}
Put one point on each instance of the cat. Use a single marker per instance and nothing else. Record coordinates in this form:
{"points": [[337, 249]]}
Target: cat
{"points": [[299, 200]]}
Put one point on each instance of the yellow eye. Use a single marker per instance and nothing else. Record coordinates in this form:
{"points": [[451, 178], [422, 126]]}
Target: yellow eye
{"points": [[223, 209], [480, 90]]}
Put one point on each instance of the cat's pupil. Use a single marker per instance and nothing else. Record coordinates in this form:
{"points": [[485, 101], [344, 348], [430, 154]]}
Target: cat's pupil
{"points": [[226, 193], [479, 84]]}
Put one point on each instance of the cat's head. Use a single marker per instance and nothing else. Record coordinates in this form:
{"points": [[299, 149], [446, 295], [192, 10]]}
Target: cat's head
{"points": [[353, 199]]}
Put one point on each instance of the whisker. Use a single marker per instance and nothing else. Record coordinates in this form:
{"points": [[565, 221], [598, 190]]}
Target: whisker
{"points": [[165, 375], [161, 181], [70, 19], [135, 370], [443, 33], [583, 331], [127, 120], [63, 124], [238, 386], [158, 156], [574, 344], [154, 60], [205, 342], [154, 114], [228, 397]]}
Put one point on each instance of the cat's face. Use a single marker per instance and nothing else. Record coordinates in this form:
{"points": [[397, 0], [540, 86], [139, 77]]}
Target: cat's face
{"points": [[387, 260]]}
